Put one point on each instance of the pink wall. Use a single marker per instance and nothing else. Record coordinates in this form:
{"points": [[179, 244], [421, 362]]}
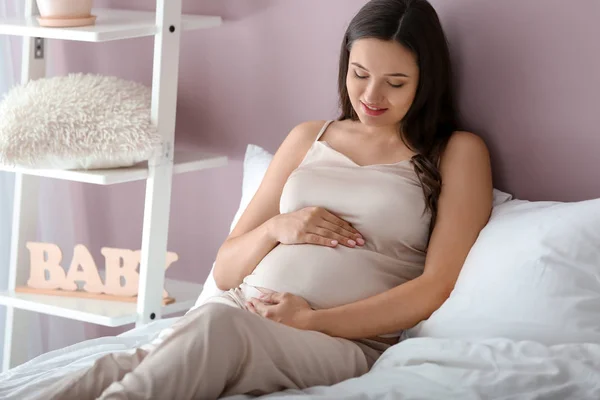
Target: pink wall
{"points": [[528, 79], [272, 65]]}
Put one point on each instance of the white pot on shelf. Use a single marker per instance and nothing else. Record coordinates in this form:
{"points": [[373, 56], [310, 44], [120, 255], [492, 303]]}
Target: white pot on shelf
{"points": [[65, 13]]}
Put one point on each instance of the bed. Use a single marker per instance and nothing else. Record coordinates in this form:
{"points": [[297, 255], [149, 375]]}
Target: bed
{"points": [[524, 319], [423, 368]]}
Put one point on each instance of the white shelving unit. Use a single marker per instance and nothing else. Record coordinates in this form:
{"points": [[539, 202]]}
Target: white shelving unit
{"points": [[166, 25], [101, 312], [184, 161], [110, 25]]}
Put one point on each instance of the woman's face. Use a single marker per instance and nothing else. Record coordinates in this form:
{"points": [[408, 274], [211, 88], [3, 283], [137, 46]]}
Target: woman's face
{"points": [[382, 81]]}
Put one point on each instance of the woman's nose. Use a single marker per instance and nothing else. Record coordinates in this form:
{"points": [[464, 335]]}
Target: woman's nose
{"points": [[373, 94]]}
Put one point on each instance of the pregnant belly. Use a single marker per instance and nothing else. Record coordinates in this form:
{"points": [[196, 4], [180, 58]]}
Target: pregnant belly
{"points": [[330, 277]]}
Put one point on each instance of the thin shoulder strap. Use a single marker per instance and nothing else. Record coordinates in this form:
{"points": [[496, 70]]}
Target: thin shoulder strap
{"points": [[323, 129]]}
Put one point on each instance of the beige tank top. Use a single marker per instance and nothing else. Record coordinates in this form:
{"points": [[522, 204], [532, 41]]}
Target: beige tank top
{"points": [[383, 201]]}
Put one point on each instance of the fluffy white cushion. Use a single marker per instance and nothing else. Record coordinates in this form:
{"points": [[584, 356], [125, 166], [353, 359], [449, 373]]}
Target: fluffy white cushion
{"points": [[79, 121], [256, 162], [533, 274]]}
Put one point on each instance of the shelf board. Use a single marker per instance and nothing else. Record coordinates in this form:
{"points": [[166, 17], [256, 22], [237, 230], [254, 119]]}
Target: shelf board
{"points": [[184, 161], [101, 312], [111, 24]]}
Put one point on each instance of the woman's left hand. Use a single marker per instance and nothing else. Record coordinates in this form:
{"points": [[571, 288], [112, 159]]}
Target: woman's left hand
{"points": [[285, 308]]}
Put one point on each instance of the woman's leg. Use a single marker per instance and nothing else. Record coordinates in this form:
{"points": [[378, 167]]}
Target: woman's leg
{"points": [[90, 383], [198, 353], [221, 350]]}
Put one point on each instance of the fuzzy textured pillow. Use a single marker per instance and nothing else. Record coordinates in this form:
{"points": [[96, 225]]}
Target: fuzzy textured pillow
{"points": [[79, 121]]}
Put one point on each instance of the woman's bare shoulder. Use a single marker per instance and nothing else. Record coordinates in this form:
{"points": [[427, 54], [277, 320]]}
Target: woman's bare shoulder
{"points": [[295, 146], [466, 142], [306, 131], [299, 140]]}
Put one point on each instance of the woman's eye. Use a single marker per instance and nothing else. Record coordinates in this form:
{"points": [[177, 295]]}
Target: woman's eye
{"points": [[360, 76], [397, 86]]}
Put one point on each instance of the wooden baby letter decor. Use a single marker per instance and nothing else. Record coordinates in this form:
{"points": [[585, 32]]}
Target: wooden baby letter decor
{"points": [[121, 280]]}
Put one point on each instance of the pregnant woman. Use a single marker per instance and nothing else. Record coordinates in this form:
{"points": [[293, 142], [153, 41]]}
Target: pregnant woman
{"points": [[357, 232]]}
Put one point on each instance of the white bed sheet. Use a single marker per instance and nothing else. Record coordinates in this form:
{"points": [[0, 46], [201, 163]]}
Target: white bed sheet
{"points": [[419, 368]]}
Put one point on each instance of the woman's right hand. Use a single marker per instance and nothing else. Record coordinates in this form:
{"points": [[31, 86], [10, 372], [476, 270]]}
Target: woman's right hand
{"points": [[314, 225]]}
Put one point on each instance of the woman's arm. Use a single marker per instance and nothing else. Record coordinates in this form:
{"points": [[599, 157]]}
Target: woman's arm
{"points": [[251, 239], [463, 210]]}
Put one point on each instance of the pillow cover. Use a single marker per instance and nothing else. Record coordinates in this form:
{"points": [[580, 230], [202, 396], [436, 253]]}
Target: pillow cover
{"points": [[79, 121], [256, 162], [533, 274]]}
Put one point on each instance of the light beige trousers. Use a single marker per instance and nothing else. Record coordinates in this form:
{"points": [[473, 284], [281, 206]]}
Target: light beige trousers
{"points": [[221, 349]]}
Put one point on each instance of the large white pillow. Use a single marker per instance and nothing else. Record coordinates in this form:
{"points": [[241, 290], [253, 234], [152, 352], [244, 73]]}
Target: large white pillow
{"points": [[256, 162], [79, 121], [533, 274]]}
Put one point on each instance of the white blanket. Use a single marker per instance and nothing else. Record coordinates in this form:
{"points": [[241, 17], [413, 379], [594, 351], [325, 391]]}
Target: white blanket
{"points": [[420, 368], [436, 369], [22, 382]]}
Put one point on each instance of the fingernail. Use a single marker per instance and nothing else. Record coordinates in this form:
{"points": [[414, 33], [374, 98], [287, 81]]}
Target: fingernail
{"points": [[334, 242], [351, 242], [360, 241]]}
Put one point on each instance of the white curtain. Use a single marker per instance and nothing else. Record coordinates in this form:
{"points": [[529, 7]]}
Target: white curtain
{"points": [[56, 223]]}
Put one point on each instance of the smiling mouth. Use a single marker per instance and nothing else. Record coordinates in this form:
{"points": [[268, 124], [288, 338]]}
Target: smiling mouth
{"points": [[373, 111], [372, 108]]}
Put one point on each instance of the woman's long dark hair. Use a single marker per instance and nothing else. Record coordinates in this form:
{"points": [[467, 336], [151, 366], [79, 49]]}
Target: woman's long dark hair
{"points": [[432, 117]]}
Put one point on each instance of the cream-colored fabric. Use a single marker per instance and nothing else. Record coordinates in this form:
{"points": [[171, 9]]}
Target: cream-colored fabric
{"points": [[384, 202], [220, 349]]}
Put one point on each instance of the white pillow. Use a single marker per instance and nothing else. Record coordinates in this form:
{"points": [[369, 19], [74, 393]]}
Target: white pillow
{"points": [[501, 197], [79, 121], [256, 162], [533, 274]]}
